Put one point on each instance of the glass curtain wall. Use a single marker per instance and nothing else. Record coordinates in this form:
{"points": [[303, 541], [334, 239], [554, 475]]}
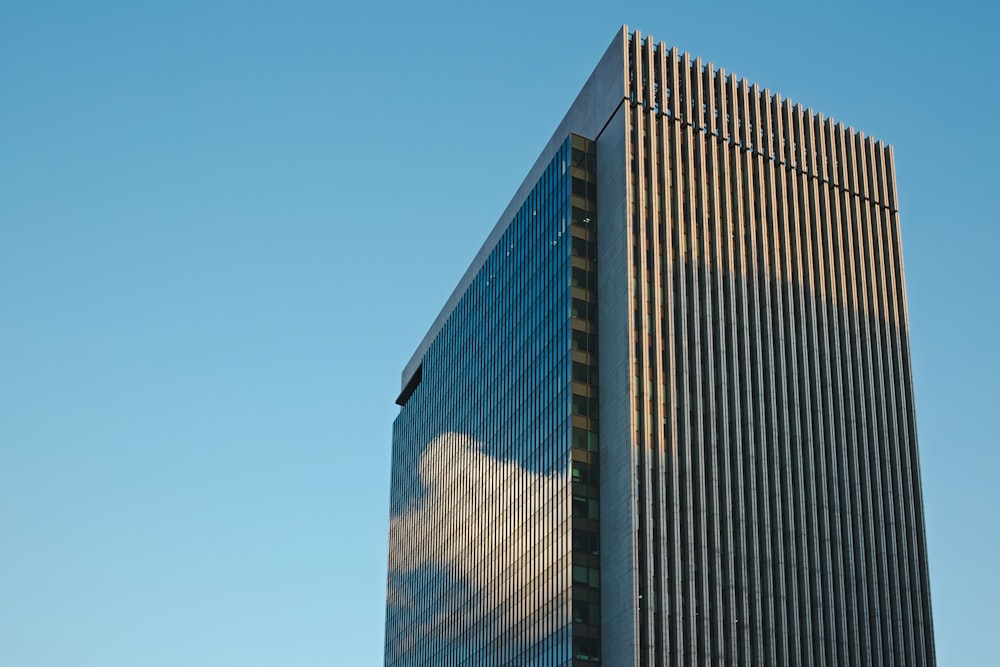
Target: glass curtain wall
{"points": [[491, 452]]}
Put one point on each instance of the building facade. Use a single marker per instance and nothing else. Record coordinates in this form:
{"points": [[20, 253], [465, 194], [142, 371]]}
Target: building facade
{"points": [[666, 417]]}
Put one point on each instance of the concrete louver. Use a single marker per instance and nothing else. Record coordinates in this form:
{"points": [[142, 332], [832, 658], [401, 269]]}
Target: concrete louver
{"points": [[778, 516]]}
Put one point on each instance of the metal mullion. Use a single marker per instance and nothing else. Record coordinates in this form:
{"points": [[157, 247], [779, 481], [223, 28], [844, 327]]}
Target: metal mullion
{"points": [[836, 606], [790, 290], [858, 461], [818, 509], [844, 433], [635, 293], [876, 413], [665, 342], [712, 608], [691, 437], [722, 444], [755, 464], [875, 574], [782, 478], [886, 376], [678, 433], [653, 366], [732, 419], [807, 569], [758, 257], [818, 348]]}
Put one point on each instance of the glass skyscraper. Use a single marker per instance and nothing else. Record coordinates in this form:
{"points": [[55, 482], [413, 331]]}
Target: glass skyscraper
{"points": [[666, 417]]}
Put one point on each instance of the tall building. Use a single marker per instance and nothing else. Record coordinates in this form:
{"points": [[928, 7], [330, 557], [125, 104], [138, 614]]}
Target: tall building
{"points": [[666, 417]]}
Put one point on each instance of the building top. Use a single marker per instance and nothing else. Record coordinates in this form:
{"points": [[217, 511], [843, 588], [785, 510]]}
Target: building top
{"points": [[604, 92]]}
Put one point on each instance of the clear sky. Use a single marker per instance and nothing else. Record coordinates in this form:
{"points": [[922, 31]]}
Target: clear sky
{"points": [[225, 226]]}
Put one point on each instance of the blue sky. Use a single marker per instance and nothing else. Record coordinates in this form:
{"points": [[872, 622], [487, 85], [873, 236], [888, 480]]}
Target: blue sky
{"points": [[225, 226]]}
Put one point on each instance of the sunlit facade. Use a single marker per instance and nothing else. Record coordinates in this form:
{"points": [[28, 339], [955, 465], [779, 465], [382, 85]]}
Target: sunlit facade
{"points": [[666, 418]]}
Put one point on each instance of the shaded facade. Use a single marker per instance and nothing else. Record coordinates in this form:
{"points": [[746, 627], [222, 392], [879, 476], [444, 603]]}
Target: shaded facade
{"points": [[494, 537], [667, 416]]}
